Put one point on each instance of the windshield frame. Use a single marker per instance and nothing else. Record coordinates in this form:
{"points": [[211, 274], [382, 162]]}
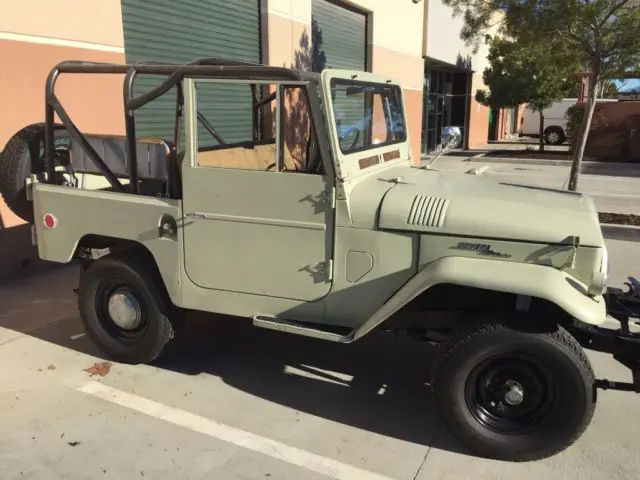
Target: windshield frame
{"points": [[374, 157], [396, 90]]}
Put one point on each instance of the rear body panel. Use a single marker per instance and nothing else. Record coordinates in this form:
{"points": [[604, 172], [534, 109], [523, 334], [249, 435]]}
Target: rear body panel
{"points": [[80, 212]]}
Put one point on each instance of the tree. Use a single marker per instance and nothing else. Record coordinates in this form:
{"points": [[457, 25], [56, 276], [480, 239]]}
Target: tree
{"points": [[521, 71], [604, 34]]}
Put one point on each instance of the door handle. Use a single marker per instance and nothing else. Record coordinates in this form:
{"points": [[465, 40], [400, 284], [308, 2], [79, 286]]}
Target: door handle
{"points": [[195, 215]]}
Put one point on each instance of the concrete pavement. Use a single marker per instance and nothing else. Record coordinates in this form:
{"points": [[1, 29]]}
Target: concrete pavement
{"points": [[243, 403], [614, 189]]}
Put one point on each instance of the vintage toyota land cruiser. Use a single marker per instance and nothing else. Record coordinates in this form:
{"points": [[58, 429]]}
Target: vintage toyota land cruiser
{"points": [[319, 224]]}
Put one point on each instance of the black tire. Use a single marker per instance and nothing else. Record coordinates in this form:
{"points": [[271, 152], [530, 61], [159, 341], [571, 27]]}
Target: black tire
{"points": [[554, 136], [147, 341], [556, 377], [21, 152], [15, 168]]}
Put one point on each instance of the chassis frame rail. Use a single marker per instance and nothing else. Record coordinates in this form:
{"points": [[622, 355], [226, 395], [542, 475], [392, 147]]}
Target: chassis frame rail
{"points": [[175, 73]]}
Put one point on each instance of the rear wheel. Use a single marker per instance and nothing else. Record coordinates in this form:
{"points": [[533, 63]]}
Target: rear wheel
{"points": [[514, 395], [554, 136], [125, 310]]}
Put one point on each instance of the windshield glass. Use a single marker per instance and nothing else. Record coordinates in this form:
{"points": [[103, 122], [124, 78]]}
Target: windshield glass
{"points": [[367, 115]]}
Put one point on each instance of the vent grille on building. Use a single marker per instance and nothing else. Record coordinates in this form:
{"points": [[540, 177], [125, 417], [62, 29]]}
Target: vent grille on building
{"points": [[428, 211]]}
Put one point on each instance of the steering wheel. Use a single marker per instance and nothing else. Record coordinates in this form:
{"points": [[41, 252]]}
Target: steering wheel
{"points": [[347, 132]]}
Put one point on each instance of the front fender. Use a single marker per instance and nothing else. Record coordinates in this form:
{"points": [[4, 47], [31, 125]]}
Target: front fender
{"points": [[518, 278]]}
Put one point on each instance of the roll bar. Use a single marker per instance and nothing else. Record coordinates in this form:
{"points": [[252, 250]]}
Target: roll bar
{"points": [[175, 73]]}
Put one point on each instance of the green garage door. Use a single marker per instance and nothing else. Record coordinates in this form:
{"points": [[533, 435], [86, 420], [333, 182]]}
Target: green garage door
{"points": [[182, 31], [339, 36]]}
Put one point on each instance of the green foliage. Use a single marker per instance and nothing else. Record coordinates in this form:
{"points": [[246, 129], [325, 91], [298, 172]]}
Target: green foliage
{"points": [[538, 74], [575, 115], [602, 34], [574, 119], [608, 90]]}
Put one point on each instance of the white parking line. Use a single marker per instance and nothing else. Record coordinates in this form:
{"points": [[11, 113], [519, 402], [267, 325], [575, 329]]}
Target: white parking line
{"points": [[241, 438]]}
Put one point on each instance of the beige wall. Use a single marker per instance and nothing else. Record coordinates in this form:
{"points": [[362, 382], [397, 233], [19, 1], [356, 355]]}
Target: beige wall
{"points": [[31, 44], [442, 42], [95, 22], [34, 36]]}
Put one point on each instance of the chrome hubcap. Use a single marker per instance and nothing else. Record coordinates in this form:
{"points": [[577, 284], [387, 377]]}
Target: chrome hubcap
{"points": [[124, 310]]}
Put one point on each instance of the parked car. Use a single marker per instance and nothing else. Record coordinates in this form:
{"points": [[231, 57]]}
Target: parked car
{"points": [[555, 122]]}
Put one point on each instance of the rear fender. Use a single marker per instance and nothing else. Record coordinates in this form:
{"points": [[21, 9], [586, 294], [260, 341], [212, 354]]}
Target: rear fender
{"points": [[532, 280], [136, 218]]}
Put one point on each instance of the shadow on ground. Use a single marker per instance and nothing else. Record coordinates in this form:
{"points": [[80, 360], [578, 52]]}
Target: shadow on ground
{"points": [[608, 169], [378, 384], [459, 153]]}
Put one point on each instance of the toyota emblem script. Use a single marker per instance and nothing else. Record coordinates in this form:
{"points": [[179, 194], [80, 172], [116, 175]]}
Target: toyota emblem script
{"points": [[50, 221]]}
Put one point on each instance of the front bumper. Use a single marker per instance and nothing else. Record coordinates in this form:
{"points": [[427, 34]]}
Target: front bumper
{"points": [[622, 342]]}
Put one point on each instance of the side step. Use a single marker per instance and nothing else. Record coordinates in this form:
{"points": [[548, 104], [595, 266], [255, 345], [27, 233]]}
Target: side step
{"points": [[299, 328]]}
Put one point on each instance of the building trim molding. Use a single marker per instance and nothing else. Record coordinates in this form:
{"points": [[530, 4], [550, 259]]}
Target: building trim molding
{"points": [[60, 42]]}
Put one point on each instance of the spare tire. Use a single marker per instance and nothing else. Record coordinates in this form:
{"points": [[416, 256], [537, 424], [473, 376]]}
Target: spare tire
{"points": [[23, 150]]}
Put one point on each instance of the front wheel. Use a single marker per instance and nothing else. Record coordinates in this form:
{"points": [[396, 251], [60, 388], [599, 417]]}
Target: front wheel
{"points": [[513, 395], [125, 310]]}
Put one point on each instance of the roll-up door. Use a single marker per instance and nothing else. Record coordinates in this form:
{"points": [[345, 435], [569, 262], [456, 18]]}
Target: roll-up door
{"points": [[183, 31], [339, 36]]}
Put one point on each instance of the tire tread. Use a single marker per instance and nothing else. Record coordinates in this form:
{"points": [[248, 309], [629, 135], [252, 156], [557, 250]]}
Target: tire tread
{"points": [[560, 336]]}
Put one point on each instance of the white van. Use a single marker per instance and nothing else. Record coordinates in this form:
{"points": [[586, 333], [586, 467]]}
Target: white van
{"points": [[555, 122]]}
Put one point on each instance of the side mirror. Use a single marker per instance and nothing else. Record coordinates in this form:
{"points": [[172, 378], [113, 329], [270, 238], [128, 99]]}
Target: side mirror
{"points": [[451, 137]]}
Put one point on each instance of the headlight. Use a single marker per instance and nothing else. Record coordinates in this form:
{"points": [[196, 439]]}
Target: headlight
{"points": [[598, 283]]}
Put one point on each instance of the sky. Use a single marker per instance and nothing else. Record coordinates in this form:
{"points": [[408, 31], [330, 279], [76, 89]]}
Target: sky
{"points": [[630, 84]]}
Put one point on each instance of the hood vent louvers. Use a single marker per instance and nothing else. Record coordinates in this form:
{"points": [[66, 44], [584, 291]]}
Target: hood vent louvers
{"points": [[428, 211]]}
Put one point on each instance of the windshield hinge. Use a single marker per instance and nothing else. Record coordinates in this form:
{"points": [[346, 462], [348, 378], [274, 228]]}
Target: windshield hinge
{"points": [[575, 244], [326, 268]]}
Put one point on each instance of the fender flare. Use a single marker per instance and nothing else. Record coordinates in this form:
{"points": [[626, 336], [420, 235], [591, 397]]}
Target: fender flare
{"points": [[529, 279]]}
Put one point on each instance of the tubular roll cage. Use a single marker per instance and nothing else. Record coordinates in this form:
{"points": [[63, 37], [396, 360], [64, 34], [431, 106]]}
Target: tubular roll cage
{"points": [[201, 68]]}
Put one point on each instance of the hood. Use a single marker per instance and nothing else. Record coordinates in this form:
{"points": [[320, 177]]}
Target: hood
{"points": [[458, 204]]}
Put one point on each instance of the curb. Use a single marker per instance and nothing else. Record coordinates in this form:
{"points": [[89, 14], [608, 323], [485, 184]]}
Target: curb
{"points": [[539, 161], [619, 225], [625, 233]]}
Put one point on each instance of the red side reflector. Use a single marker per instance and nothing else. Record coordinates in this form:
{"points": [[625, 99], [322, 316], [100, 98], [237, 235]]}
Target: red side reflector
{"points": [[50, 221]]}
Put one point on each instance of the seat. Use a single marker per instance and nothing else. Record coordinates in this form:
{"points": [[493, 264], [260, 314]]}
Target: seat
{"points": [[250, 156], [152, 156]]}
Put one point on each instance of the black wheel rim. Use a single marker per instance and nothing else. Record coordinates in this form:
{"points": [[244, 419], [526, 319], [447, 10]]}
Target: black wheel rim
{"points": [[105, 291], [511, 394]]}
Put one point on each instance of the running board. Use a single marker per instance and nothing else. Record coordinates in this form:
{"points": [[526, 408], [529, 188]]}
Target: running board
{"points": [[298, 328]]}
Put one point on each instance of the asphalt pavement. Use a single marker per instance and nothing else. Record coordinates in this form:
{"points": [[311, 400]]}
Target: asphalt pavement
{"points": [[243, 403]]}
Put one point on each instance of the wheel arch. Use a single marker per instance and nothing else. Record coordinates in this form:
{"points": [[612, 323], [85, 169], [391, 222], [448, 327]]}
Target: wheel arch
{"points": [[547, 287], [131, 250]]}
